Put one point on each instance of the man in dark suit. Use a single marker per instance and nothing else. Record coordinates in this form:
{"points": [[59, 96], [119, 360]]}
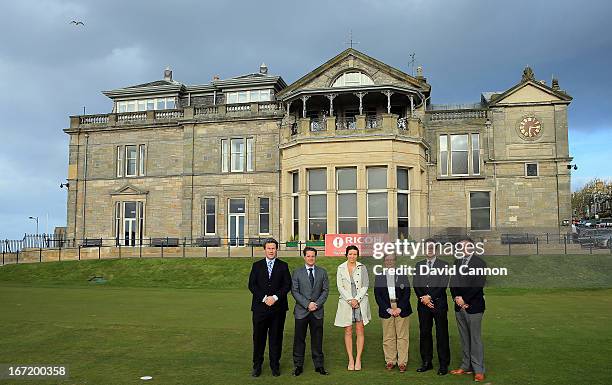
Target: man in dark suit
{"points": [[392, 293], [468, 294], [432, 306], [310, 288], [269, 282]]}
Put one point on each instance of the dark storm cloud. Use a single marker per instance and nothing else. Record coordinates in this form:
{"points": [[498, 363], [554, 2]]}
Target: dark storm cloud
{"points": [[50, 69]]}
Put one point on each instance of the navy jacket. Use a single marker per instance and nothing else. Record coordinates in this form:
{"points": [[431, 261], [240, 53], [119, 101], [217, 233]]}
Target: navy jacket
{"points": [[402, 292], [432, 285], [469, 287]]}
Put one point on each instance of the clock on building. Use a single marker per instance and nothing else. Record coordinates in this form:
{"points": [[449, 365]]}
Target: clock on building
{"points": [[530, 127]]}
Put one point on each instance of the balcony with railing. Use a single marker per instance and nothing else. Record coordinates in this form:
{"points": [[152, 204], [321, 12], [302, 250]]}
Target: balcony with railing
{"points": [[195, 113], [380, 124]]}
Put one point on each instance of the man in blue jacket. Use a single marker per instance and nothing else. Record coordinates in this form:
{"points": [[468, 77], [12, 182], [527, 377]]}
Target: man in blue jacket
{"points": [[468, 294], [392, 293]]}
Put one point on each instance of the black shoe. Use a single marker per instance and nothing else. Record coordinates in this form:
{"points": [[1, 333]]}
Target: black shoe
{"points": [[425, 367], [322, 371], [298, 370], [256, 371], [442, 371], [276, 372]]}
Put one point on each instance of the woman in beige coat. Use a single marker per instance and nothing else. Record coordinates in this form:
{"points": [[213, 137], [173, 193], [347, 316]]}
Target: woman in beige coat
{"points": [[353, 306]]}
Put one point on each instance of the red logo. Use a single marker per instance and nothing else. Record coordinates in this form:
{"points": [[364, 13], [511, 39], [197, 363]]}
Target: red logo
{"points": [[335, 244]]}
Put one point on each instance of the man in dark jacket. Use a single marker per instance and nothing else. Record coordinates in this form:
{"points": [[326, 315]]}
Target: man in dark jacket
{"points": [[269, 281], [467, 292], [392, 293], [430, 282]]}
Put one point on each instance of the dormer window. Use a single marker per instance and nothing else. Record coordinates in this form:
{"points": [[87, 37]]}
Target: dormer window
{"points": [[249, 96], [146, 104], [350, 79]]}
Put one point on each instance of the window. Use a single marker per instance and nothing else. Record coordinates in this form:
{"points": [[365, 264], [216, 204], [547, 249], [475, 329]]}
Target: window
{"points": [[459, 154], [377, 200], [463, 157], [264, 215], [531, 169], [443, 154], [317, 204], [480, 210], [129, 223], [131, 160], [475, 154], [295, 199], [403, 203], [237, 154], [349, 79], [119, 161], [210, 227], [346, 181], [145, 104], [141, 159], [250, 96]]}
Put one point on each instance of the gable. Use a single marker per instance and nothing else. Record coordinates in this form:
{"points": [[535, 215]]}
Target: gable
{"points": [[129, 190], [352, 60], [529, 94]]}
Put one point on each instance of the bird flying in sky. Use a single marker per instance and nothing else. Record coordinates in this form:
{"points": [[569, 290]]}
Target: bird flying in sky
{"points": [[77, 23]]}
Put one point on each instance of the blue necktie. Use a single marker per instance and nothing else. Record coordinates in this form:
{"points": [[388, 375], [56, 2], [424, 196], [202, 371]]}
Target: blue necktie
{"points": [[270, 264]]}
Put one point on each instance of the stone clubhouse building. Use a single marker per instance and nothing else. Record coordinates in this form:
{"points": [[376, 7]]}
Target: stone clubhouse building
{"points": [[354, 146]]}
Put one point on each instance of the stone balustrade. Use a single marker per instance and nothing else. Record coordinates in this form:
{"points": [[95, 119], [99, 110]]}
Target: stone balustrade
{"points": [[456, 115], [218, 112]]}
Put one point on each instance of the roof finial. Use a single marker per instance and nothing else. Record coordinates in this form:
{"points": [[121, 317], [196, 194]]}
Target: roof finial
{"points": [[263, 69], [351, 42], [528, 74]]}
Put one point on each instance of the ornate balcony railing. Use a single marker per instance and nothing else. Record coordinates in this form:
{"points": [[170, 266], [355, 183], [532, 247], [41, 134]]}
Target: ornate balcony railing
{"points": [[348, 123], [402, 123], [373, 121], [318, 124]]}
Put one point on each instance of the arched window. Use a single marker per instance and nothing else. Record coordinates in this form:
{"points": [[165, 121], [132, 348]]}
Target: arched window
{"points": [[349, 79]]}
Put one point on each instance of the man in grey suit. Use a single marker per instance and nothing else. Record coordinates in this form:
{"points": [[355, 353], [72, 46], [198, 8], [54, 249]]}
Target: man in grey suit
{"points": [[310, 287]]}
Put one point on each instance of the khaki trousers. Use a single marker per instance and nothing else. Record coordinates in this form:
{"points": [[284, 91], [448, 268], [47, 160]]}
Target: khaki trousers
{"points": [[395, 338]]}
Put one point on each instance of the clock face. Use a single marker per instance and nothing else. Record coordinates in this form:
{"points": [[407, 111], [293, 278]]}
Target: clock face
{"points": [[530, 127]]}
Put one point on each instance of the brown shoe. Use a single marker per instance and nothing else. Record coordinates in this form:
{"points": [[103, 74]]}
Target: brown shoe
{"points": [[402, 368], [390, 366], [460, 371], [478, 377]]}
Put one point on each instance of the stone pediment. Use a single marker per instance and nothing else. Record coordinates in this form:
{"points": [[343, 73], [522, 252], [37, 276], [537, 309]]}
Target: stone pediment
{"points": [[129, 190], [530, 92], [351, 60]]}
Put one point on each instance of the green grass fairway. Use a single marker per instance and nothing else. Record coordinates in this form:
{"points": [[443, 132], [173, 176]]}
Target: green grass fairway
{"points": [[187, 321]]}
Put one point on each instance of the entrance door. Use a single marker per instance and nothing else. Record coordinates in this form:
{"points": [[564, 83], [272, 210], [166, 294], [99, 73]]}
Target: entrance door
{"points": [[129, 223], [236, 223]]}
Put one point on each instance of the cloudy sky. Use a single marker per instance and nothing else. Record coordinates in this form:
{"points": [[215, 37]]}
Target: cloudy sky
{"points": [[50, 69]]}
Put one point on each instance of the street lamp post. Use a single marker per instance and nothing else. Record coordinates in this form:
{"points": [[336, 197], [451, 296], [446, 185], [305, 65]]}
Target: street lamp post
{"points": [[36, 219]]}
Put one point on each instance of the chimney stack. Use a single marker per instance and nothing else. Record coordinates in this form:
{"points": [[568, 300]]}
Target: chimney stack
{"points": [[263, 69], [555, 84], [168, 74]]}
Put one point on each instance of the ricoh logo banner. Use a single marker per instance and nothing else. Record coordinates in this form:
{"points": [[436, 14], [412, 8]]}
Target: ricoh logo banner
{"points": [[335, 244]]}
